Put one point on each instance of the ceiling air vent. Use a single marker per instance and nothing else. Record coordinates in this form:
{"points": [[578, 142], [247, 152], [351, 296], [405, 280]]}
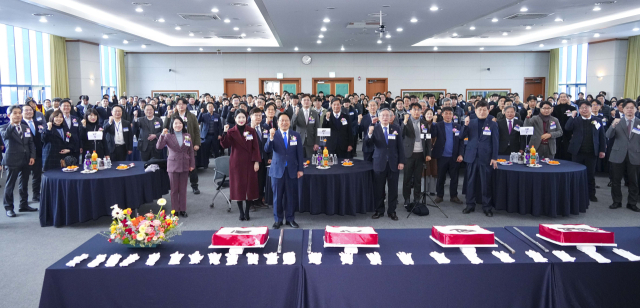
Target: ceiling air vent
{"points": [[521, 16], [199, 16], [238, 4], [363, 25], [230, 37]]}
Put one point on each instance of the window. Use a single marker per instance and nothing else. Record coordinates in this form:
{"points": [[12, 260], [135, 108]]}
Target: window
{"points": [[573, 70], [108, 67], [25, 65]]}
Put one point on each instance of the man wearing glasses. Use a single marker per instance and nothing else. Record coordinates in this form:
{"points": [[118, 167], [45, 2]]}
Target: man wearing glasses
{"points": [[545, 131]]}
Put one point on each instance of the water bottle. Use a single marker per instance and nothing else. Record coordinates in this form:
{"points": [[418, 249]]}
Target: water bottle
{"points": [[107, 163], [87, 161]]}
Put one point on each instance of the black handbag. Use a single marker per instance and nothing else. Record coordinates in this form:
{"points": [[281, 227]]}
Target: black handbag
{"points": [[419, 209]]}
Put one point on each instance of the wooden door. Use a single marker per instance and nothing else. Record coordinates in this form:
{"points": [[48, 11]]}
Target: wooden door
{"points": [[235, 86], [533, 86], [375, 85]]}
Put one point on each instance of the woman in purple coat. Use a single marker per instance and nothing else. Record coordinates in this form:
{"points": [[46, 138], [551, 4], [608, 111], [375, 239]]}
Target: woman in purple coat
{"points": [[180, 161], [243, 177]]}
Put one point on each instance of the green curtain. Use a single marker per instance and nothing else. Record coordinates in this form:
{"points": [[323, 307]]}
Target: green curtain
{"points": [[554, 71], [632, 78], [122, 73], [59, 73]]}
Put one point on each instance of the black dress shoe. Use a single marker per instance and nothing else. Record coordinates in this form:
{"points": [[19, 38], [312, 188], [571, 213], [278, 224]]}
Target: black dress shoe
{"points": [[488, 213], [35, 199], [184, 214], [432, 194], [468, 210], [593, 199], [393, 216], [277, 224], [615, 206], [610, 184], [377, 215], [293, 224], [11, 213], [27, 209], [597, 186], [196, 191], [633, 208]]}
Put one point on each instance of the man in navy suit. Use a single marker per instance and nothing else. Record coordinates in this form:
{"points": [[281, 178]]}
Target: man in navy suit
{"points": [[388, 160], [36, 128], [286, 168], [364, 121], [587, 142], [341, 141], [449, 152], [481, 153], [72, 123]]}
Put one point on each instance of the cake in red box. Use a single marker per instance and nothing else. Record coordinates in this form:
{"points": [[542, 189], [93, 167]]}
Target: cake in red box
{"points": [[244, 237], [462, 235], [579, 234], [350, 235]]}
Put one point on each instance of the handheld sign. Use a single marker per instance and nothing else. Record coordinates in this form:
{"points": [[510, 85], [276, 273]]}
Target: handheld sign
{"points": [[94, 135], [324, 132], [526, 131]]}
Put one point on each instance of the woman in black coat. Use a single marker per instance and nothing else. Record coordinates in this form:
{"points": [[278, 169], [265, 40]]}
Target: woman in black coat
{"points": [[91, 124], [55, 142]]}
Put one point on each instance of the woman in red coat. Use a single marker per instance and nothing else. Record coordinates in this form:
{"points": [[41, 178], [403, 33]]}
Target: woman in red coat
{"points": [[243, 174]]}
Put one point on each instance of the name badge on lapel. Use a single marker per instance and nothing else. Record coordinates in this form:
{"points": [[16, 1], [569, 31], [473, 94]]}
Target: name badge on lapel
{"points": [[486, 131], [187, 143], [517, 128], [157, 125], [66, 139], [265, 134], [596, 124], [427, 136], [392, 137], [552, 125], [456, 132], [293, 141], [312, 120], [249, 137], [351, 113], [215, 119], [27, 133], [636, 130], [39, 119], [344, 121]]}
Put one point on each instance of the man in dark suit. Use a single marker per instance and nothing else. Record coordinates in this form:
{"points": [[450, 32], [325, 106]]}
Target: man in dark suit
{"points": [[449, 151], [262, 130], [36, 128], [119, 135], [19, 156], [388, 160], [286, 168], [104, 111], [341, 141], [416, 140], [148, 129], [127, 110], [210, 131], [83, 106], [72, 123], [563, 111], [481, 154], [364, 121], [509, 128], [587, 142], [306, 122], [55, 106]]}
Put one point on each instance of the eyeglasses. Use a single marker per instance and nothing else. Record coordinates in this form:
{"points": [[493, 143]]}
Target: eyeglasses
{"points": [[546, 108]]}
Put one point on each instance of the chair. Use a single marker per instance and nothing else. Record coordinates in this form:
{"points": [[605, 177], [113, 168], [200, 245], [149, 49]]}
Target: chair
{"points": [[221, 169]]}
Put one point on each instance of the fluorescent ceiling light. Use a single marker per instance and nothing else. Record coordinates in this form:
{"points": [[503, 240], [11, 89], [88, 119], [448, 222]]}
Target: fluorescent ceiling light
{"points": [[160, 20], [528, 27], [433, 8], [139, 10], [125, 42], [190, 33], [399, 29], [296, 49], [43, 19], [435, 48], [379, 42], [559, 19], [78, 29], [215, 10], [388, 35], [481, 48], [201, 49], [323, 29], [342, 48], [541, 45], [596, 35], [505, 33], [226, 20], [564, 41], [321, 36], [144, 46], [319, 41], [177, 28], [249, 49], [494, 20], [414, 20], [636, 29], [105, 36], [389, 48], [236, 28], [597, 8], [326, 20], [472, 28], [243, 35], [454, 34], [524, 9]]}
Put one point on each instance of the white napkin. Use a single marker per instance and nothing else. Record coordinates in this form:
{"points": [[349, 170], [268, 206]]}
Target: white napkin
{"points": [[536, 256], [591, 252], [175, 258], [405, 258], [440, 258], [77, 260], [272, 258], [315, 258], [625, 254], [471, 254], [152, 168], [214, 258], [130, 259], [289, 258], [232, 258], [99, 259], [374, 258], [252, 258], [153, 258], [113, 260], [503, 256], [195, 257], [562, 255], [346, 258]]}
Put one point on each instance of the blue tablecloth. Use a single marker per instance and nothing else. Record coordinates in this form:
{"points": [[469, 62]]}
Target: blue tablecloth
{"points": [[586, 283], [427, 283], [337, 190], [135, 154], [184, 285], [68, 198]]}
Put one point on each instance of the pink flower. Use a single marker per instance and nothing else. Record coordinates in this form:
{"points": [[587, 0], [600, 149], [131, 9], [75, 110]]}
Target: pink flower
{"points": [[156, 223]]}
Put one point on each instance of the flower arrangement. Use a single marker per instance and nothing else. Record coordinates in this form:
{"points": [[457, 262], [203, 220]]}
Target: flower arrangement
{"points": [[68, 134], [147, 230]]}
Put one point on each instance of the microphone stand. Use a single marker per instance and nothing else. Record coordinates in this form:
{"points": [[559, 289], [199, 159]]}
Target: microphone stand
{"points": [[425, 195]]}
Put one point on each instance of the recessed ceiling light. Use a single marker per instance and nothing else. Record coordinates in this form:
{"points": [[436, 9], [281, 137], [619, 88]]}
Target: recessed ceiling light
{"points": [[226, 20], [215, 10], [323, 29], [321, 36], [43, 19], [177, 28], [236, 28], [528, 27], [596, 35], [379, 42], [597, 8], [559, 19], [481, 48], [399, 29], [524, 9], [105, 36], [433, 8], [636, 29], [78, 29], [319, 41], [249, 49], [414, 19], [388, 35], [505, 33], [342, 48], [541, 45], [139, 10], [564, 41], [494, 20], [435, 48], [243, 35], [296, 49], [125, 42], [389, 48], [326, 20], [201, 49], [160, 20], [144, 46], [454, 34], [472, 28], [190, 33]]}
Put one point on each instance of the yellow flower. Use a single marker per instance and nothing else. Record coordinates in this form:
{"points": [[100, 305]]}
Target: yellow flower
{"points": [[140, 236], [173, 212], [162, 201], [142, 229]]}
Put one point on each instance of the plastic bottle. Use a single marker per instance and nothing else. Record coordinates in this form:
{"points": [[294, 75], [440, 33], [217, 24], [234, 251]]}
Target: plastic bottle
{"points": [[325, 157], [527, 155], [87, 161], [94, 161], [533, 156]]}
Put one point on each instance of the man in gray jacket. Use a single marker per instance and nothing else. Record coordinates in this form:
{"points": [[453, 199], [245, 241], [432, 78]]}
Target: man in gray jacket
{"points": [[545, 131], [625, 155], [416, 140], [306, 122]]}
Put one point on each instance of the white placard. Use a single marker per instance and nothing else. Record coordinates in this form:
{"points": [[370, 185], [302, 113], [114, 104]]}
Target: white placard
{"points": [[195, 112], [324, 132], [94, 135], [526, 131]]}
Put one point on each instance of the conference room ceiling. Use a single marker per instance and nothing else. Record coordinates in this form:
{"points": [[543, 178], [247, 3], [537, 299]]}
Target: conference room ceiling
{"points": [[349, 26]]}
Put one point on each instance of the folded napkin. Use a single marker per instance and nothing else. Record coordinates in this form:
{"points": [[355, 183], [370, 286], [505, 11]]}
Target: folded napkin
{"points": [[99, 259], [130, 259], [405, 258], [562, 255], [440, 258], [289, 258], [272, 258], [113, 260], [315, 258], [77, 260], [625, 254], [536, 256], [153, 258], [195, 257], [175, 258], [346, 258], [152, 168], [214, 258], [591, 252], [374, 258], [252, 258], [503, 256], [232, 258]]}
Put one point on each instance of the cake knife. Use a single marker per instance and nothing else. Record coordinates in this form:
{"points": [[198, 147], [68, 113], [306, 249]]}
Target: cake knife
{"points": [[309, 244], [280, 241], [532, 240], [504, 244]]}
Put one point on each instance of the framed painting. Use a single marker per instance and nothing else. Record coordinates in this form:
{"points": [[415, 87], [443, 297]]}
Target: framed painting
{"points": [[183, 93], [420, 93], [487, 92]]}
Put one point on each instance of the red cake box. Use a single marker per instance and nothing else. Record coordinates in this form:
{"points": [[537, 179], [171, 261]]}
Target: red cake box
{"points": [[579, 234], [350, 235], [462, 235], [240, 236]]}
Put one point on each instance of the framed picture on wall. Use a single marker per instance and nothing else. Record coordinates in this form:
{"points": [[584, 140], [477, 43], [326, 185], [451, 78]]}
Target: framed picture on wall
{"points": [[420, 93], [183, 93], [487, 92]]}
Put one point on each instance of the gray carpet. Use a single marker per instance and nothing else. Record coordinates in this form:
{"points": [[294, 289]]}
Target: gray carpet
{"points": [[27, 249]]}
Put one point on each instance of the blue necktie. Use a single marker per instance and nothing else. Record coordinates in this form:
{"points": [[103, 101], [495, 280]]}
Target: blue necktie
{"points": [[32, 128], [386, 135]]}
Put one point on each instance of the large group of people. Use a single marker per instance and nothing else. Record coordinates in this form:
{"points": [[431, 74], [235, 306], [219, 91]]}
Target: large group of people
{"points": [[428, 137]]}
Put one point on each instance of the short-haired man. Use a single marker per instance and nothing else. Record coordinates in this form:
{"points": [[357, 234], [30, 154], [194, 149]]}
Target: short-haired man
{"points": [[416, 139], [448, 150], [19, 156], [546, 130]]}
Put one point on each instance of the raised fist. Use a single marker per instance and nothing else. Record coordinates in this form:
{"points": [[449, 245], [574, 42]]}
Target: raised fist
{"points": [[466, 121], [169, 112], [574, 113], [84, 122], [359, 118], [49, 125], [111, 120], [272, 132], [406, 118], [328, 115], [615, 121], [226, 128], [165, 131], [374, 120], [371, 128], [135, 113], [529, 113]]}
